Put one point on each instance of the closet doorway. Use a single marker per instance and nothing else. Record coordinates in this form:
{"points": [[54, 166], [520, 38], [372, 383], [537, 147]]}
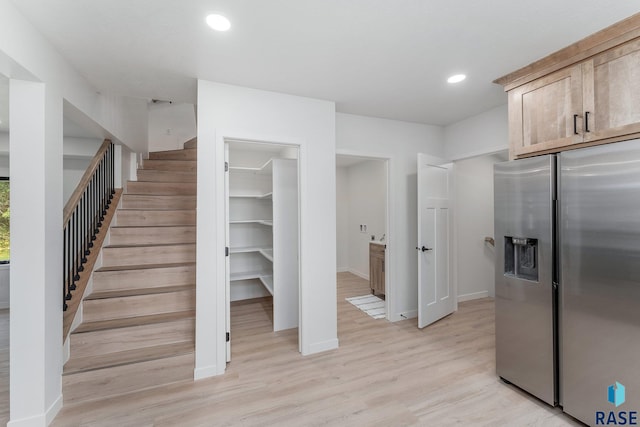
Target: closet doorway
{"points": [[362, 233], [262, 236]]}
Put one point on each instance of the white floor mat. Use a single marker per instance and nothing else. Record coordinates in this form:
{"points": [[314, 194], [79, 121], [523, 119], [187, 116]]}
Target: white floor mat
{"points": [[370, 304]]}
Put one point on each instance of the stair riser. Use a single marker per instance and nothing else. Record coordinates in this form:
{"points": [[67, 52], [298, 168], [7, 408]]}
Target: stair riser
{"points": [[148, 255], [122, 339], [140, 305], [162, 188], [188, 154], [104, 281], [152, 235], [146, 218], [171, 165], [118, 380], [136, 201], [166, 176]]}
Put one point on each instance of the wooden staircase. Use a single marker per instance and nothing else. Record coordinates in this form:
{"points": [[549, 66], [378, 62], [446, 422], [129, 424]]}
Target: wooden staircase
{"points": [[138, 323]]}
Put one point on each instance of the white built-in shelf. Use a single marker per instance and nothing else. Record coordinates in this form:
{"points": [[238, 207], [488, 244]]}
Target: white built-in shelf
{"points": [[267, 253], [251, 196], [246, 275], [246, 249], [267, 281], [268, 222], [266, 168]]}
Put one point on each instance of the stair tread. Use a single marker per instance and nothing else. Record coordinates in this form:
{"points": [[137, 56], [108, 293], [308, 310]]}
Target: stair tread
{"points": [[133, 321], [148, 245], [177, 150], [169, 160], [153, 210], [108, 360], [185, 196], [144, 266], [126, 380], [152, 226], [137, 291], [156, 210]]}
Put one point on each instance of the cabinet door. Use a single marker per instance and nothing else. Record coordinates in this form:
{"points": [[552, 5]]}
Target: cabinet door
{"points": [[376, 268], [611, 83], [541, 113]]}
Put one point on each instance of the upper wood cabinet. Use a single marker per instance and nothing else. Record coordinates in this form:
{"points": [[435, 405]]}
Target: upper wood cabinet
{"points": [[612, 93], [544, 114], [585, 94]]}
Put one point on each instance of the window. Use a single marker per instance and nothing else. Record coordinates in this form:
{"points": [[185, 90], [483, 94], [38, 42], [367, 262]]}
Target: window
{"points": [[5, 250]]}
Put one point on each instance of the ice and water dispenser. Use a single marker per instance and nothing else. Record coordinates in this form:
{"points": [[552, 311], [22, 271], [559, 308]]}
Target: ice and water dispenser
{"points": [[521, 257]]}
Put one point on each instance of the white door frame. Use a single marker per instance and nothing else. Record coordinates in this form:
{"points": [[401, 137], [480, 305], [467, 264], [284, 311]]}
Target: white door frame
{"points": [[390, 285], [222, 137]]}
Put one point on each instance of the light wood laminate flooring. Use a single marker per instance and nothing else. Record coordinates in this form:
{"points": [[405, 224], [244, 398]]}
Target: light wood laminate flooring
{"points": [[383, 374]]}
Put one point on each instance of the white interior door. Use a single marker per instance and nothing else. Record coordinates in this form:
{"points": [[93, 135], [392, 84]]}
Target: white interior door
{"points": [[436, 296], [227, 257]]}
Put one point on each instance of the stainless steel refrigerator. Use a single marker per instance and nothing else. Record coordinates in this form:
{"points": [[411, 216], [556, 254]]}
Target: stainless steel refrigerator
{"points": [[567, 232]]}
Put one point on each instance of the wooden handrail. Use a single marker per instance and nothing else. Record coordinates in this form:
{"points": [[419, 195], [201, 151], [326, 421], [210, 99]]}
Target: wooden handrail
{"points": [[84, 181]]}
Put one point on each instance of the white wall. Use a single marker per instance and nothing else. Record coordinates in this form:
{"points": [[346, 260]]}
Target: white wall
{"points": [[400, 142], [485, 133], [125, 119], [367, 184], [474, 205], [170, 125], [342, 219], [35, 288], [248, 114], [78, 153], [40, 81]]}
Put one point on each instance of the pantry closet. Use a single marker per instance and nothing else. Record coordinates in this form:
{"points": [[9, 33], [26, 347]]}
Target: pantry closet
{"points": [[262, 227]]}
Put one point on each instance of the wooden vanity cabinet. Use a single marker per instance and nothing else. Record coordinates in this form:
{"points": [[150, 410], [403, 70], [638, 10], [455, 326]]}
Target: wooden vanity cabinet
{"points": [[376, 268]]}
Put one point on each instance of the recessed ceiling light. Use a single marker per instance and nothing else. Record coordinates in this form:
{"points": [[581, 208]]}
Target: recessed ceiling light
{"points": [[218, 22], [456, 79]]}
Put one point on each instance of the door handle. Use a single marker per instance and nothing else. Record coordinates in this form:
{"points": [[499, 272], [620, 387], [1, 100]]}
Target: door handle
{"points": [[575, 124], [424, 249]]}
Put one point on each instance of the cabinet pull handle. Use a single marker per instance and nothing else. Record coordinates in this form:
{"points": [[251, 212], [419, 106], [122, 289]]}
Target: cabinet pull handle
{"points": [[586, 121], [575, 124]]}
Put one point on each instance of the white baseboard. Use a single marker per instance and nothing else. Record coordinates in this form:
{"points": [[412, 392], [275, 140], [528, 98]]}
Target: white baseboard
{"points": [[472, 296], [342, 270], [54, 409], [205, 372], [40, 420], [357, 273], [319, 347]]}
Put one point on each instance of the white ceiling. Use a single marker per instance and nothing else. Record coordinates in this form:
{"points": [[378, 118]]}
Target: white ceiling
{"points": [[382, 58]]}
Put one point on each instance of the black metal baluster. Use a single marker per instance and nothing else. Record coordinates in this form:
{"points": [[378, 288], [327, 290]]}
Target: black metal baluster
{"points": [[85, 221], [103, 167], [113, 169], [64, 269], [78, 242], [82, 240]]}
